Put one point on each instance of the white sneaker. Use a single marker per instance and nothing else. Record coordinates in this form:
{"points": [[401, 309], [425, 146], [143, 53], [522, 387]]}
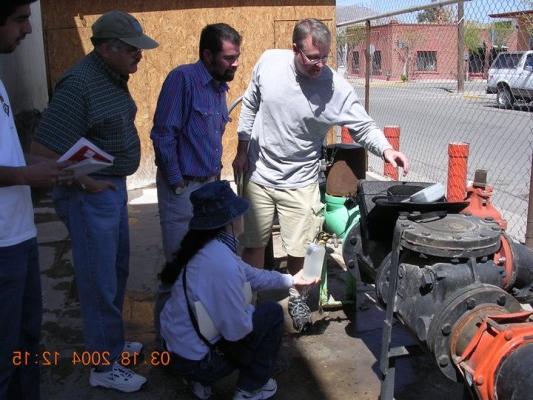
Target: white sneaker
{"points": [[132, 348], [266, 392], [202, 392], [118, 377]]}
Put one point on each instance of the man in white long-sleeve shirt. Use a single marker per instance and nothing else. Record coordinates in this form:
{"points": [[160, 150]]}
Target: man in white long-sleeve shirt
{"points": [[293, 99]]}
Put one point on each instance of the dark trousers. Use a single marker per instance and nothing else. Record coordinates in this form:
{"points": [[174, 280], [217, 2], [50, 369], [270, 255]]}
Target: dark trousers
{"points": [[254, 355], [20, 320]]}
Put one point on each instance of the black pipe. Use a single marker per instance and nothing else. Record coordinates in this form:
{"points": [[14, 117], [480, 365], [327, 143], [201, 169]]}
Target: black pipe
{"points": [[513, 380]]}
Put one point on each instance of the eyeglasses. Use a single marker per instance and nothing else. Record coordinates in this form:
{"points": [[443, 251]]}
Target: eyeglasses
{"points": [[132, 49], [119, 45], [314, 61]]}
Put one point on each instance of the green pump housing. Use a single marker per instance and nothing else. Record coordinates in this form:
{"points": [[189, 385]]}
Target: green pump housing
{"points": [[340, 215]]}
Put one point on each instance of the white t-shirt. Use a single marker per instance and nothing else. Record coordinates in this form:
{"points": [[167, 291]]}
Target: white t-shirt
{"points": [[16, 209]]}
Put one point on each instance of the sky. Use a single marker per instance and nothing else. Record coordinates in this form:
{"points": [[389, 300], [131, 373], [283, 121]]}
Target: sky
{"points": [[475, 10]]}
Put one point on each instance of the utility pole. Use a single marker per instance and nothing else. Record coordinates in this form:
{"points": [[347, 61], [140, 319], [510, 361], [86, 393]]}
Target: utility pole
{"points": [[460, 46]]}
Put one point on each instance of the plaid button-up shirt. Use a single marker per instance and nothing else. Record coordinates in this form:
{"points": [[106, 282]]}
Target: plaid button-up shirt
{"points": [[93, 101]]}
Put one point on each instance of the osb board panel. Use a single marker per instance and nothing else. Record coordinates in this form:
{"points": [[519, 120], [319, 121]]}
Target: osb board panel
{"points": [[177, 31]]}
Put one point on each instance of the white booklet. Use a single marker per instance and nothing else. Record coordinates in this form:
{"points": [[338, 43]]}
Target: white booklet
{"points": [[87, 158]]}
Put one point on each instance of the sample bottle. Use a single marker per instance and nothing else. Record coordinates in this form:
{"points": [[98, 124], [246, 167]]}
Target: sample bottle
{"points": [[313, 261]]}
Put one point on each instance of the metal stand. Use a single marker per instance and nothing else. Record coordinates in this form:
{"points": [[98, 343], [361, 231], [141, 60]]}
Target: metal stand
{"points": [[388, 355]]}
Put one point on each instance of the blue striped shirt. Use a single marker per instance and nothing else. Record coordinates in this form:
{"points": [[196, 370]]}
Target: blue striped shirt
{"points": [[189, 121]]}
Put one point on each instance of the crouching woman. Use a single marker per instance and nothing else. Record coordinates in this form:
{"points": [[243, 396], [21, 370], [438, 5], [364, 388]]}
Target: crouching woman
{"points": [[208, 323]]}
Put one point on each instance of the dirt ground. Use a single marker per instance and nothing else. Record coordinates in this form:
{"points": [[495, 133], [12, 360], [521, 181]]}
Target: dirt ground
{"points": [[337, 360]]}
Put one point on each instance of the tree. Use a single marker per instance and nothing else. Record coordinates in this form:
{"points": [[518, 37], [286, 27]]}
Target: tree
{"points": [[473, 39], [347, 39], [405, 45], [341, 46], [501, 32], [435, 15], [474, 45]]}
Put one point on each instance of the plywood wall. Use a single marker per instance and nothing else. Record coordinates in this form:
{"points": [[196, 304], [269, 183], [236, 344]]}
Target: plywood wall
{"points": [[176, 26]]}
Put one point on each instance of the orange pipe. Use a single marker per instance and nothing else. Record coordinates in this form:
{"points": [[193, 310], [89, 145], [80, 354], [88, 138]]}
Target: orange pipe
{"points": [[457, 170], [345, 135], [392, 133], [497, 337]]}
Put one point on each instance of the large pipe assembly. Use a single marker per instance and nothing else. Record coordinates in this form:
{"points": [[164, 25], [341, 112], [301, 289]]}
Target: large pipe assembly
{"points": [[451, 292], [455, 278]]}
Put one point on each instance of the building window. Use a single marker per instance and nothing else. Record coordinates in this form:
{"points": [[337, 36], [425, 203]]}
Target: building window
{"points": [[376, 63], [355, 61], [426, 60]]}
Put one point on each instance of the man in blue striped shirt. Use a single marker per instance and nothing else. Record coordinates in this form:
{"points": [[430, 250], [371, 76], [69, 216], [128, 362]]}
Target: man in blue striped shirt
{"points": [[189, 122]]}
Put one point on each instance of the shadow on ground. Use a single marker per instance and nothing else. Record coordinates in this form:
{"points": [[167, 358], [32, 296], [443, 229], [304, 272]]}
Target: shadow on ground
{"points": [[337, 360]]}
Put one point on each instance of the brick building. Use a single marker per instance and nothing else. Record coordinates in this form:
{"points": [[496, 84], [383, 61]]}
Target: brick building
{"points": [[417, 51]]}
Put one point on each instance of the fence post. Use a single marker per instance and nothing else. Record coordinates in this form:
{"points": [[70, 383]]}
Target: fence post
{"points": [[457, 171], [392, 133], [368, 67], [460, 47], [529, 227]]}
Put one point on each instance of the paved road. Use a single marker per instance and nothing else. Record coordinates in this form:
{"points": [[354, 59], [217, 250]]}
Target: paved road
{"points": [[432, 114]]}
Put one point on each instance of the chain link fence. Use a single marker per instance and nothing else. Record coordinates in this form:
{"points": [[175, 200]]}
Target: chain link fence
{"points": [[429, 72]]}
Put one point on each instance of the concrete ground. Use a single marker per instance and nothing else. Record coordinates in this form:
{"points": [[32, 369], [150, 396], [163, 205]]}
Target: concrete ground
{"points": [[336, 361]]}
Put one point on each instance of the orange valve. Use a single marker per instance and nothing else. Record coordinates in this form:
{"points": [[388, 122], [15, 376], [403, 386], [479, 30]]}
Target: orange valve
{"points": [[392, 133], [457, 170]]}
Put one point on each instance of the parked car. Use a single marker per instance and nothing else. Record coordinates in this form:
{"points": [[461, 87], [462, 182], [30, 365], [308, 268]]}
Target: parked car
{"points": [[511, 78]]}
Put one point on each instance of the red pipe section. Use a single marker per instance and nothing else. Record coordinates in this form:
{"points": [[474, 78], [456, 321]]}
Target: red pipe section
{"points": [[345, 136], [457, 170], [392, 133], [496, 339]]}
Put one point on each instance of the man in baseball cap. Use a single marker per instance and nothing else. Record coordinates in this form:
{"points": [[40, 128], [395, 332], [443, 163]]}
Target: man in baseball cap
{"points": [[92, 101], [122, 26]]}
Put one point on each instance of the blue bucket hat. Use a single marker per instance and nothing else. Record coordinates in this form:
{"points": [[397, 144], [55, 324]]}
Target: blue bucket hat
{"points": [[215, 205]]}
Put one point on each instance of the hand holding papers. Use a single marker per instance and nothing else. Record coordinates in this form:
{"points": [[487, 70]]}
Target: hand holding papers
{"points": [[87, 158]]}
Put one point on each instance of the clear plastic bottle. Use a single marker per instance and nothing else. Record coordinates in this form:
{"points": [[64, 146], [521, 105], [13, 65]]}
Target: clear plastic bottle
{"points": [[313, 261]]}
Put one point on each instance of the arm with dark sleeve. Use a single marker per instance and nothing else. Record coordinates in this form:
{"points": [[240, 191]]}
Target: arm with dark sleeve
{"points": [[173, 108], [65, 120]]}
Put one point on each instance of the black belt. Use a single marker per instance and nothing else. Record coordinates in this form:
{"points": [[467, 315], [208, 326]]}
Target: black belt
{"points": [[199, 179]]}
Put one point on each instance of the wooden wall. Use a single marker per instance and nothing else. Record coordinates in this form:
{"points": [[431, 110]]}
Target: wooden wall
{"points": [[176, 26]]}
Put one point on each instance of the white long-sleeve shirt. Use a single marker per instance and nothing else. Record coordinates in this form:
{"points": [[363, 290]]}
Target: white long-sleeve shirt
{"points": [[215, 277], [285, 116]]}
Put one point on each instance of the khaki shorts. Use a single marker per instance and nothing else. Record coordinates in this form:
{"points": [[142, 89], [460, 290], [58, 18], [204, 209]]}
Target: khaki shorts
{"points": [[299, 212]]}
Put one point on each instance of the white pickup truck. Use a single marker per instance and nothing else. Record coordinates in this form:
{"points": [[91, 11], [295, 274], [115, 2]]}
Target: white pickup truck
{"points": [[511, 78]]}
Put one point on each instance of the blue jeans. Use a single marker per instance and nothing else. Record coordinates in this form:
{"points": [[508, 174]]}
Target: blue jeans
{"points": [[254, 355], [20, 319], [175, 212], [98, 227]]}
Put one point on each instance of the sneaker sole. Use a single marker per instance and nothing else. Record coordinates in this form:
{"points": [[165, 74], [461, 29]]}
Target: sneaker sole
{"points": [[268, 393], [95, 382]]}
